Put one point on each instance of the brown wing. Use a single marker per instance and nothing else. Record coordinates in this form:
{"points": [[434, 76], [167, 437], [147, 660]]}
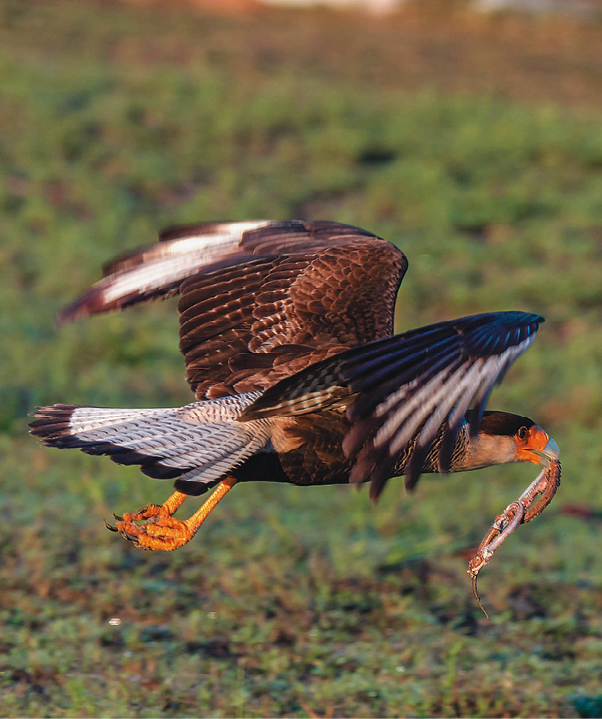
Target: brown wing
{"points": [[265, 299], [406, 389], [245, 328], [157, 271]]}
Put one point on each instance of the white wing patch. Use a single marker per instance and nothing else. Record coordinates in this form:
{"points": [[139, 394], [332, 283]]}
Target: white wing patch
{"points": [[174, 260], [454, 388]]}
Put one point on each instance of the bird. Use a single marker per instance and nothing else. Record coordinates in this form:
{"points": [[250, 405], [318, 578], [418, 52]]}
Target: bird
{"points": [[287, 333]]}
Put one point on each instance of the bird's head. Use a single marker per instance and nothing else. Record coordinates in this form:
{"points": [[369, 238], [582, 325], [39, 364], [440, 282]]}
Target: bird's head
{"points": [[506, 437], [535, 445]]}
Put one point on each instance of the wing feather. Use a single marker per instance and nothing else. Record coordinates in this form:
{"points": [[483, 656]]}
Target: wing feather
{"points": [[157, 271], [295, 291], [402, 390]]}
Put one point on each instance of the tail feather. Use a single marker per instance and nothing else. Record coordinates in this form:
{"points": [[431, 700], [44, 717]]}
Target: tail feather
{"points": [[199, 443]]}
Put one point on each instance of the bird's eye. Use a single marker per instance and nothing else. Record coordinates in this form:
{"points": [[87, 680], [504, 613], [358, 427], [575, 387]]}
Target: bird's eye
{"points": [[522, 433]]}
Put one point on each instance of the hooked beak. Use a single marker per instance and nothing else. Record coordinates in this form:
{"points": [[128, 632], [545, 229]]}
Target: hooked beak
{"points": [[543, 446], [549, 452]]}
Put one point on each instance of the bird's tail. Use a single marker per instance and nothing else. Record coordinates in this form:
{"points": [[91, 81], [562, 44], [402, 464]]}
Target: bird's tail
{"points": [[198, 444]]}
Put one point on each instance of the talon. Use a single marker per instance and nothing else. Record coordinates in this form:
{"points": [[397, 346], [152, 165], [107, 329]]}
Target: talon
{"points": [[147, 512], [124, 531], [158, 532], [110, 527], [117, 517], [154, 527]]}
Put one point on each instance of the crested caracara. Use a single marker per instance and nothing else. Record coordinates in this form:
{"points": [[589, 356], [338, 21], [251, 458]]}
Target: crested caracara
{"points": [[287, 334]]}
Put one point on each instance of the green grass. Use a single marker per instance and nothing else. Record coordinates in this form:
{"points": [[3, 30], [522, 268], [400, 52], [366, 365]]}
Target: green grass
{"points": [[115, 122]]}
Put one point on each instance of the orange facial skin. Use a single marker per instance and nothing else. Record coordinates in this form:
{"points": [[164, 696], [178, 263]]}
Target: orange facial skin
{"points": [[535, 445]]}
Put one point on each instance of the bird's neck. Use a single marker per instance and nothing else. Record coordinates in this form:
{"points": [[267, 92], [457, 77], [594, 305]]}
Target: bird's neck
{"points": [[484, 450], [469, 453]]}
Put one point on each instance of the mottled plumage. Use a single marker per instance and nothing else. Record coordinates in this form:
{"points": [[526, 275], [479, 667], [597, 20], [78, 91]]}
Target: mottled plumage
{"points": [[287, 334]]}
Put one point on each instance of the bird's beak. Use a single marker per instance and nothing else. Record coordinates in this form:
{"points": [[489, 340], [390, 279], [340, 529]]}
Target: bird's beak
{"points": [[542, 446], [551, 450]]}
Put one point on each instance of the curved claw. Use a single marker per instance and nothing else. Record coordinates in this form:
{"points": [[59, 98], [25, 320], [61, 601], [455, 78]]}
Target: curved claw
{"points": [[154, 527], [150, 510], [158, 532], [127, 534], [109, 526]]}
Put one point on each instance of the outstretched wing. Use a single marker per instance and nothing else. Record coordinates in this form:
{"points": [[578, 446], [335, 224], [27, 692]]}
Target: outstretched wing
{"points": [[157, 271], [260, 300], [404, 388]]}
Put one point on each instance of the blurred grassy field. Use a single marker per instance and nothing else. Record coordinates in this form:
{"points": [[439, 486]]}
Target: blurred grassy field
{"points": [[481, 156]]}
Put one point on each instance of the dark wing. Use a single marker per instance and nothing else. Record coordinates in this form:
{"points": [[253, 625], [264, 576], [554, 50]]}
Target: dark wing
{"points": [[261, 300], [406, 387]]}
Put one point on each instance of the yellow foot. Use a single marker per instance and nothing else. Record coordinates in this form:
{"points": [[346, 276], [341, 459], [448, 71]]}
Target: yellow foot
{"points": [[154, 510], [159, 531], [153, 527], [151, 510]]}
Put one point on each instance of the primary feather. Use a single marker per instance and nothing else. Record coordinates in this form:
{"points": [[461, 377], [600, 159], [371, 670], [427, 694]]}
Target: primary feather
{"points": [[289, 325]]}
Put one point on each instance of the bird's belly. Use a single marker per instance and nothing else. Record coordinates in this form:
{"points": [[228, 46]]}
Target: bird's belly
{"points": [[304, 450], [302, 467], [308, 466]]}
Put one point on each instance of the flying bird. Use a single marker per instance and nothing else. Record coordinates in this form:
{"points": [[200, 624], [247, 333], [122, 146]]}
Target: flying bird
{"points": [[287, 334]]}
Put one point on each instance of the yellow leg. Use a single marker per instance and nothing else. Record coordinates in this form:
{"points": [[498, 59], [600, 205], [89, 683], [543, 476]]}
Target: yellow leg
{"points": [[153, 527]]}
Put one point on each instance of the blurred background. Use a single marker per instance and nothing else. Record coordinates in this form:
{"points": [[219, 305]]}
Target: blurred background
{"points": [[467, 133]]}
